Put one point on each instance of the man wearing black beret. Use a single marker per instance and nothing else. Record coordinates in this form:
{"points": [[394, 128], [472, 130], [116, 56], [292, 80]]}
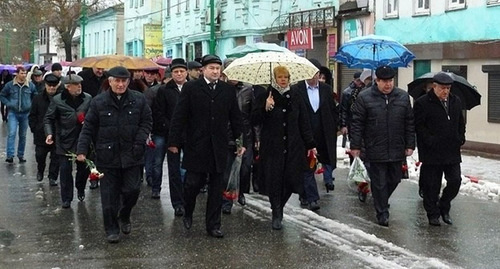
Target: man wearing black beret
{"points": [[119, 121], [382, 122], [201, 117], [440, 128]]}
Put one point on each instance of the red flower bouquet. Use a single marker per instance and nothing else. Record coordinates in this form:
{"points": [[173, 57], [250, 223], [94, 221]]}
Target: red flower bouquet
{"points": [[80, 118], [94, 173], [150, 143]]}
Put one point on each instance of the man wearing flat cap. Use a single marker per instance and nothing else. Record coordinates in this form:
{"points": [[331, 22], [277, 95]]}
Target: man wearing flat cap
{"points": [[199, 124], [38, 110], [194, 70], [440, 128], [63, 124], [163, 109], [119, 122], [382, 122]]}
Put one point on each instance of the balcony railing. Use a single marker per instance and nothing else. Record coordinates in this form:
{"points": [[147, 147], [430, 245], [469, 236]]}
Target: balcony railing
{"points": [[314, 18]]}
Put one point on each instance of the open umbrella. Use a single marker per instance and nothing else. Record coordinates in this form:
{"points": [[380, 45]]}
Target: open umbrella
{"points": [[8, 67], [243, 50], [256, 68], [110, 61], [467, 93], [372, 51]]}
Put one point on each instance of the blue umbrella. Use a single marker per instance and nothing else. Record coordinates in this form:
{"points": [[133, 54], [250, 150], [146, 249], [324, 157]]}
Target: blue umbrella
{"points": [[372, 51]]}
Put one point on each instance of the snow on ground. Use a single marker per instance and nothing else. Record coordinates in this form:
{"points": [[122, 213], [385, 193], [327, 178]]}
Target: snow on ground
{"points": [[371, 250], [480, 176]]}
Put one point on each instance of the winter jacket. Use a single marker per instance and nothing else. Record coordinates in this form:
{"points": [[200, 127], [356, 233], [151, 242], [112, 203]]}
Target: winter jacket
{"points": [[384, 123], [119, 127], [439, 134], [244, 95], [163, 107], [17, 97], [346, 102], [36, 117], [91, 84], [61, 120]]}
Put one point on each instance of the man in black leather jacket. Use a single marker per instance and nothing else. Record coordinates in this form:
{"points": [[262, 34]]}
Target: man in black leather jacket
{"points": [[383, 120]]}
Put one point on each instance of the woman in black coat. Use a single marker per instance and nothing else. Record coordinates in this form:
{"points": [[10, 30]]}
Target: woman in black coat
{"points": [[285, 136]]}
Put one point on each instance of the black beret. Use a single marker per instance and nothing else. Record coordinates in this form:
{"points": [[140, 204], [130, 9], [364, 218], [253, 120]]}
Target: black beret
{"points": [[56, 67], [51, 79], [442, 78], [37, 72], [385, 72], [357, 75], [119, 72], [210, 59], [72, 79], [315, 63], [193, 65], [178, 62]]}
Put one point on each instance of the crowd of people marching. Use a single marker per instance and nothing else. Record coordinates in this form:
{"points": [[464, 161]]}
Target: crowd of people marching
{"points": [[116, 126]]}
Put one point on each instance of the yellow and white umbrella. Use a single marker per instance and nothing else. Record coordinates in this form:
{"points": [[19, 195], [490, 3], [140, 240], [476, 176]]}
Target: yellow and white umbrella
{"points": [[257, 68]]}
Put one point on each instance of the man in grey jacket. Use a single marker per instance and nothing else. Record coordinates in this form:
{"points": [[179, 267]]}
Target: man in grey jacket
{"points": [[383, 120]]}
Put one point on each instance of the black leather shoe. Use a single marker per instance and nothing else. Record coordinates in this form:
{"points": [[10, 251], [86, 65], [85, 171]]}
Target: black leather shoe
{"points": [[66, 204], [81, 196], [113, 238], [313, 206], [52, 182], [94, 184], [447, 219], [242, 200], [9, 160], [179, 211], [217, 233], [329, 187], [39, 176], [126, 227], [383, 222], [188, 222], [22, 160], [226, 210], [155, 195], [276, 225], [362, 196], [434, 222]]}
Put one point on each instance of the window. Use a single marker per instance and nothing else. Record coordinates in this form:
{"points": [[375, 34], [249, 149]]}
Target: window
{"points": [[141, 3], [178, 6], [391, 8], [197, 4], [493, 2], [135, 1], [421, 7], [187, 5], [456, 4], [168, 8], [131, 3]]}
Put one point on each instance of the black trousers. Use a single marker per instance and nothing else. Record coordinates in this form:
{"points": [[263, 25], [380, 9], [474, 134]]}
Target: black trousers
{"points": [[431, 177], [193, 183], [66, 177], [384, 177], [41, 153], [175, 179], [120, 188]]}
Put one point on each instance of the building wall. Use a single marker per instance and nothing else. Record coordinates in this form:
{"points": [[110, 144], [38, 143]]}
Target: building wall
{"points": [[135, 16], [103, 33]]}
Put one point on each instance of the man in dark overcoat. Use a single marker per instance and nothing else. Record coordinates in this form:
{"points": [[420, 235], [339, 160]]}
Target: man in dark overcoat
{"points": [[440, 128], [63, 125], [323, 116], [119, 120], [35, 120], [382, 121], [203, 111]]}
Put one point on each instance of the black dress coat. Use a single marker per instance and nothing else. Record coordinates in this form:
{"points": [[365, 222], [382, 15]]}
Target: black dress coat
{"points": [[119, 127], [91, 84], [284, 139], [39, 107], [61, 120], [204, 115], [439, 134], [327, 149], [163, 107]]}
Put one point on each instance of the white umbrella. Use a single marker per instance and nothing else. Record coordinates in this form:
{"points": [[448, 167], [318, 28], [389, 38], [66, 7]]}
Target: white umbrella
{"points": [[256, 68]]}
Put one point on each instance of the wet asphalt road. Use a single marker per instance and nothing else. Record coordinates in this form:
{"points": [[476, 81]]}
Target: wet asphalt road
{"points": [[36, 233]]}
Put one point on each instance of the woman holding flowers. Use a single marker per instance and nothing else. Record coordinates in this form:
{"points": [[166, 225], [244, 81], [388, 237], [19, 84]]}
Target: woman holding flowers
{"points": [[63, 123], [285, 136]]}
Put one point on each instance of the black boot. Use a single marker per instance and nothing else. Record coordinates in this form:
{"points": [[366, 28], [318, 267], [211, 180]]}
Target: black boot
{"points": [[277, 218]]}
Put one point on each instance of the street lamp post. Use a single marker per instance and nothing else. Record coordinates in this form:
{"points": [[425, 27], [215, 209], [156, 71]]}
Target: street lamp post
{"points": [[83, 22], [7, 42]]}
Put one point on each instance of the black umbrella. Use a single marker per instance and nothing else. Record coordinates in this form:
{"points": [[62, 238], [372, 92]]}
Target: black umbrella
{"points": [[467, 93]]}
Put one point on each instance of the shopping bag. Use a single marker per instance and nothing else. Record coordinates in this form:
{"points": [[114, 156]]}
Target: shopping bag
{"points": [[358, 178], [233, 185]]}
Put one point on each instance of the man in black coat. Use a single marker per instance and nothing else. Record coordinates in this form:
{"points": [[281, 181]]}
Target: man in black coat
{"points": [[204, 109], [440, 128], [323, 116], [163, 109], [92, 80], [383, 120], [119, 121], [63, 123], [35, 120]]}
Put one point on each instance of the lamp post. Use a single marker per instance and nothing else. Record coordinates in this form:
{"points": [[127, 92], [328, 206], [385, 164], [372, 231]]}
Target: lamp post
{"points": [[212, 27], [83, 22], [7, 42]]}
